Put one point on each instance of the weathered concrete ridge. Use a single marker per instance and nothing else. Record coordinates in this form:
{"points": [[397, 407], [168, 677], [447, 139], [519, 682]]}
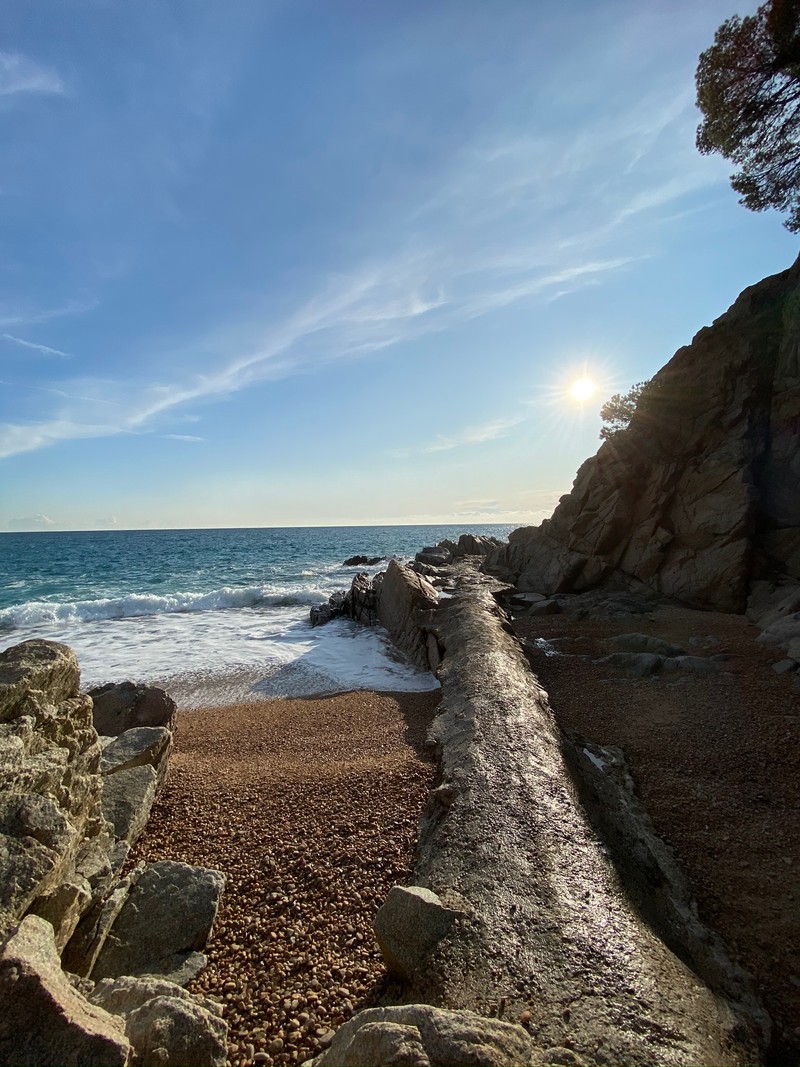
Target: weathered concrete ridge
{"points": [[547, 927]]}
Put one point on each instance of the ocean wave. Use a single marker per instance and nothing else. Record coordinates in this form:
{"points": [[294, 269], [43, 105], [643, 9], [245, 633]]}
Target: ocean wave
{"points": [[136, 605]]}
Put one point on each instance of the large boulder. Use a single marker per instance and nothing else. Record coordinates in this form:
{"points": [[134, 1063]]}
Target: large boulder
{"points": [[166, 917], [138, 747], [127, 800], [418, 1035], [164, 1023], [44, 1021], [406, 608], [120, 707], [408, 926], [50, 812], [701, 493]]}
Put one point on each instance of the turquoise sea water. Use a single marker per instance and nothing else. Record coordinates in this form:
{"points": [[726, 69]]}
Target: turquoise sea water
{"points": [[214, 615]]}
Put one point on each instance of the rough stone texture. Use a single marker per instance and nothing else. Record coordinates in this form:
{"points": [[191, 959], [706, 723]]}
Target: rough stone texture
{"points": [[84, 946], [188, 1027], [406, 608], [44, 1021], [408, 925], [137, 747], [435, 556], [50, 813], [363, 561], [121, 707], [551, 930], [63, 908], [36, 667], [127, 798], [168, 911], [172, 1033], [701, 493], [417, 1035]]}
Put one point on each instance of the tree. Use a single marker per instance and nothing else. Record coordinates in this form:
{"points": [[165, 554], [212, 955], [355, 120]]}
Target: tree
{"points": [[748, 89], [618, 411]]}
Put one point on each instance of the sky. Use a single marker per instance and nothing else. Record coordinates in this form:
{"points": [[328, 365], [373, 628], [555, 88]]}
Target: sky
{"points": [[340, 262]]}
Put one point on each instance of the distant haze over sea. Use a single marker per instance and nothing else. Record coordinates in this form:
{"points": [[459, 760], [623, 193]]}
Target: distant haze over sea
{"points": [[213, 615]]}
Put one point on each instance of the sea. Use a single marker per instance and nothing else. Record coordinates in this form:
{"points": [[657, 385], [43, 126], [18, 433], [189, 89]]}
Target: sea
{"points": [[213, 616]]}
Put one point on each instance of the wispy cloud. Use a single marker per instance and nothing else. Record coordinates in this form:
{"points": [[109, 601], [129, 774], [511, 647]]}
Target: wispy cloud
{"points": [[31, 316], [181, 437], [31, 522], [20, 74], [515, 219], [46, 350]]}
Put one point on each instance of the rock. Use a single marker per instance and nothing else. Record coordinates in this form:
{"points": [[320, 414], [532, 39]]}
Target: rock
{"points": [[406, 608], [639, 664], [700, 495], [472, 545], [172, 1033], [188, 1027], [45, 1022], [409, 924], [137, 747], [545, 606], [36, 667], [417, 1035], [121, 707], [63, 908], [84, 946], [785, 666], [127, 798], [168, 913], [363, 561], [434, 556], [50, 812], [645, 643]]}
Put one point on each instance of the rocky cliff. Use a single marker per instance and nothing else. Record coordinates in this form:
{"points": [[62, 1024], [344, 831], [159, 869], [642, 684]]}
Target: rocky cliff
{"points": [[699, 498]]}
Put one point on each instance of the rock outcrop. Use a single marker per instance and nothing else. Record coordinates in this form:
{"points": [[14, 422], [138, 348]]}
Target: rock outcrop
{"points": [[71, 803], [400, 600], [700, 496]]}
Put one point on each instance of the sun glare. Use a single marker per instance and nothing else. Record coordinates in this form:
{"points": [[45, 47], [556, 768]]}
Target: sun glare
{"points": [[583, 389]]}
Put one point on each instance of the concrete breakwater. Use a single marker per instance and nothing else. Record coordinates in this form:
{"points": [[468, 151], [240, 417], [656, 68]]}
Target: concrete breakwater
{"points": [[519, 942]]}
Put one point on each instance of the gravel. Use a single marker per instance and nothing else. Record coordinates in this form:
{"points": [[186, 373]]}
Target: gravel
{"points": [[310, 809]]}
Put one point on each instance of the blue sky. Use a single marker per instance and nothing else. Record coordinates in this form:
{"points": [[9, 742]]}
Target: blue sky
{"points": [[330, 262]]}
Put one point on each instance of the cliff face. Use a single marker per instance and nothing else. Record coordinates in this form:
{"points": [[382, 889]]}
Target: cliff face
{"points": [[700, 495]]}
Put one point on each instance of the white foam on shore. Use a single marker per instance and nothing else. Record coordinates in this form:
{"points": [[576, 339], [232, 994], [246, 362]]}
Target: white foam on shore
{"points": [[221, 657]]}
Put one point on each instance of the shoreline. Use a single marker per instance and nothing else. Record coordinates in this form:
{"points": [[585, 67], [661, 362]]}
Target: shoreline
{"points": [[309, 806]]}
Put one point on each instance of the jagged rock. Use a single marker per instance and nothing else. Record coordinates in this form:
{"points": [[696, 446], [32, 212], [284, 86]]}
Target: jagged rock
{"points": [[322, 613], [471, 545], [363, 561], [408, 925], [120, 707], [545, 606], [435, 556], [168, 912], [701, 493], [417, 1035], [127, 798], [645, 643], [137, 747], [188, 1027], [49, 787], [44, 1021], [172, 1033], [63, 907], [36, 667], [84, 946], [406, 605]]}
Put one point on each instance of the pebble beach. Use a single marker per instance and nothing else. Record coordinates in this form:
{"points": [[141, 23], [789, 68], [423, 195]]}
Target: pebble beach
{"points": [[310, 808]]}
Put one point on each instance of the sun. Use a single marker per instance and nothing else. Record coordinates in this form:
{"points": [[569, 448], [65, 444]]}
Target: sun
{"points": [[583, 389]]}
